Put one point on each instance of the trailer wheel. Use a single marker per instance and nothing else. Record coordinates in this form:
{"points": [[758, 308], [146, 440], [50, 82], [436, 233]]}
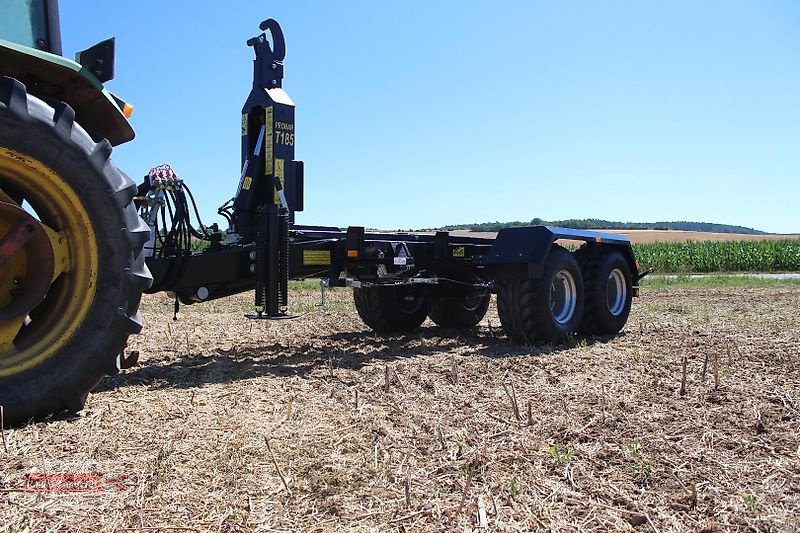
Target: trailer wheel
{"points": [[547, 308], [608, 290], [391, 309], [69, 296], [459, 312]]}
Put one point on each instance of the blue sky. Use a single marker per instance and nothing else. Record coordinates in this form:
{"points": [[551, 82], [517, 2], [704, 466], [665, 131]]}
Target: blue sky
{"points": [[419, 114]]}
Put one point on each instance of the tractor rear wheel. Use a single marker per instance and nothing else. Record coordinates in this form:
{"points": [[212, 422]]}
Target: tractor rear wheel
{"points": [[71, 265], [391, 309], [543, 309], [459, 312]]}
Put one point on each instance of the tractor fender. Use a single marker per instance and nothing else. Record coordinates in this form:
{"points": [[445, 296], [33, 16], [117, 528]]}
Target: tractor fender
{"points": [[49, 76]]}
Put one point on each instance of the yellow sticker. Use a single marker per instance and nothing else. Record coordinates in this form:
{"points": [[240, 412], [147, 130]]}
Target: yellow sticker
{"points": [[244, 124], [458, 251], [316, 257], [268, 142], [248, 181], [279, 175]]}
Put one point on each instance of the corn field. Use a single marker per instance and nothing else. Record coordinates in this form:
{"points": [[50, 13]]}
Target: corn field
{"points": [[720, 256]]}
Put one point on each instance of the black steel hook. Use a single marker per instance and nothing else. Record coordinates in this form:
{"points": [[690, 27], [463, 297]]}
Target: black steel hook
{"points": [[277, 52], [278, 42], [268, 65]]}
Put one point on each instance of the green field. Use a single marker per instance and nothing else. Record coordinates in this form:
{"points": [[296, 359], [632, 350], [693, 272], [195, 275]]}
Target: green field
{"points": [[720, 256]]}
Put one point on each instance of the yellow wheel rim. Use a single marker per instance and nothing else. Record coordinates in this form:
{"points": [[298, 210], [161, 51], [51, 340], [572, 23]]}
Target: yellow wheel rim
{"points": [[27, 341]]}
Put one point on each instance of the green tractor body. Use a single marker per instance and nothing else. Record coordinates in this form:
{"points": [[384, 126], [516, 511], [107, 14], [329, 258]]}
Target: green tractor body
{"points": [[30, 48]]}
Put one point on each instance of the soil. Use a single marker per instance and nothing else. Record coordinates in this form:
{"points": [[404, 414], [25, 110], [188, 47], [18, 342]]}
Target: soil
{"points": [[317, 424]]}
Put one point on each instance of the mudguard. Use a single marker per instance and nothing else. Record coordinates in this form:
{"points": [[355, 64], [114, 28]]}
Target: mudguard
{"points": [[523, 251], [50, 76]]}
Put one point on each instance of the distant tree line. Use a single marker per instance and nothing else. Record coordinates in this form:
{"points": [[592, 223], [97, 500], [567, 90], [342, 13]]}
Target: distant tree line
{"points": [[595, 223]]}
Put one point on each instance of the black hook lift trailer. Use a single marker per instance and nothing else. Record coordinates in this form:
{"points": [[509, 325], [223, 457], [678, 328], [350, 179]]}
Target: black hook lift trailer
{"points": [[545, 293], [77, 235]]}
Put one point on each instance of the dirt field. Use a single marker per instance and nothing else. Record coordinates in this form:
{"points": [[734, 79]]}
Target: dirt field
{"points": [[232, 425], [647, 236]]}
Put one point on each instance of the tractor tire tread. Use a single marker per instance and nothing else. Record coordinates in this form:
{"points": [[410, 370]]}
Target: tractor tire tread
{"points": [[64, 119], [13, 96]]}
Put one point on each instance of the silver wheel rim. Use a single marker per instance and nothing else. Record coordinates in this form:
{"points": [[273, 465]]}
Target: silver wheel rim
{"points": [[563, 296], [616, 292]]}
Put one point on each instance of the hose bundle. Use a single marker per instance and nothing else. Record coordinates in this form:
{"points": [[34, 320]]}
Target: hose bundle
{"points": [[168, 205]]}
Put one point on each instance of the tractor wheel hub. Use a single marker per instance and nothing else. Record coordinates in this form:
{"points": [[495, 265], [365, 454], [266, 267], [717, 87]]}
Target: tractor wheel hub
{"points": [[26, 261]]}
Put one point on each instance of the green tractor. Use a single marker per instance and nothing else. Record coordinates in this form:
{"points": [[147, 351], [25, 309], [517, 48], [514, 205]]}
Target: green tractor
{"points": [[71, 265]]}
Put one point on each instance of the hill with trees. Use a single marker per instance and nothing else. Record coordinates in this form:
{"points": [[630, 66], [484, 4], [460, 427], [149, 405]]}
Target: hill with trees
{"points": [[594, 223]]}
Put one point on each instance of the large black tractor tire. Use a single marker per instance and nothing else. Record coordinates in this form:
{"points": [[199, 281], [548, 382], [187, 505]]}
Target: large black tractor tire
{"points": [[459, 312], [50, 166], [608, 290], [391, 309], [543, 309]]}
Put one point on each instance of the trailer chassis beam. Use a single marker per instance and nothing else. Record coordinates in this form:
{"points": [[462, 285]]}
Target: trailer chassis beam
{"points": [[357, 258]]}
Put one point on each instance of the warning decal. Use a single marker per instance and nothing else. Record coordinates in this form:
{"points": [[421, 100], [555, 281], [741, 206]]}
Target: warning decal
{"points": [[317, 257]]}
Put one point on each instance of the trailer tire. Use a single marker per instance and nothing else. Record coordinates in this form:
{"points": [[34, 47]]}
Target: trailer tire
{"points": [[391, 309], [608, 292], [459, 312], [543, 309], [73, 336]]}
